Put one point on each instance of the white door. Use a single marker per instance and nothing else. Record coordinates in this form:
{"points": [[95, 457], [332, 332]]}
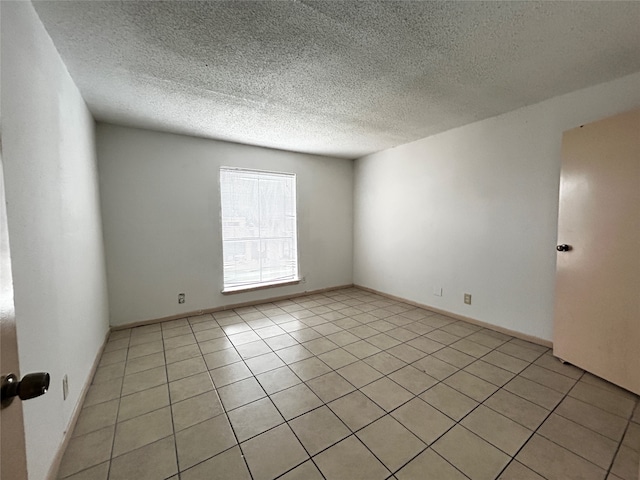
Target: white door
{"points": [[13, 463], [597, 312]]}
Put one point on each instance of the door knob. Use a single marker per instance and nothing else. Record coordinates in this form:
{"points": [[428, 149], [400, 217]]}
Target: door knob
{"points": [[563, 248], [32, 385]]}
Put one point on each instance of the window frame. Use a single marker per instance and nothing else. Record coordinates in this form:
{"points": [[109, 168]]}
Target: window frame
{"points": [[268, 284]]}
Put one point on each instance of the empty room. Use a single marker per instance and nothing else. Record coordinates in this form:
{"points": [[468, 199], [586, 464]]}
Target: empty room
{"points": [[318, 239]]}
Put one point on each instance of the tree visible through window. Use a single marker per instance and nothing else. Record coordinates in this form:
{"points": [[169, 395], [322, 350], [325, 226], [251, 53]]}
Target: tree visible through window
{"points": [[259, 234]]}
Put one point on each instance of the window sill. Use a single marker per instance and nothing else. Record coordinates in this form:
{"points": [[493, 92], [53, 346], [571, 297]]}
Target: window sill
{"points": [[251, 288]]}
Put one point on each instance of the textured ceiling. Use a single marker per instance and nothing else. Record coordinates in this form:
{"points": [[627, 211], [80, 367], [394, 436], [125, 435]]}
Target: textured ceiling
{"points": [[341, 78]]}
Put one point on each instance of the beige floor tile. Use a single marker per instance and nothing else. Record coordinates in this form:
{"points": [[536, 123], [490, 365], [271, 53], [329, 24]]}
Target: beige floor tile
{"points": [[293, 354], [95, 417], [552, 363], [270, 331], [383, 341], [109, 358], [632, 437], [423, 420], [144, 380], [626, 463], [356, 410], [279, 379], [204, 335], [459, 329], [103, 392], [471, 385], [454, 357], [119, 334], [435, 367], [426, 345], [507, 362], [534, 392], [307, 334], [490, 373], [517, 409], [449, 401], [145, 349], [330, 386], [231, 373], [391, 442], [413, 379], [497, 429], [548, 378], [364, 331], [483, 339], [470, 348], [384, 362], [596, 419], [146, 338], [343, 338], [254, 418], [279, 342], [362, 349], [407, 353], [387, 394], [554, 462], [184, 329], [338, 358], [190, 387], [264, 363], [182, 353], [142, 430], [195, 410], [140, 364], [203, 441], [470, 454], [255, 349], [143, 402], [99, 472], [295, 401], [442, 337], [240, 393], [306, 471], [310, 368], [588, 444], [107, 373], [359, 374], [273, 453], [429, 465], [320, 345], [225, 466], [611, 402], [179, 341], [214, 344], [185, 368], [517, 471], [116, 345], [520, 352], [153, 461], [87, 451], [221, 358], [350, 459], [602, 383], [319, 429]]}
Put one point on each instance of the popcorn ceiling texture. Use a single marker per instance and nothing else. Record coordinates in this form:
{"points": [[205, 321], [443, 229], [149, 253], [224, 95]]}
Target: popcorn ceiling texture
{"points": [[341, 78]]}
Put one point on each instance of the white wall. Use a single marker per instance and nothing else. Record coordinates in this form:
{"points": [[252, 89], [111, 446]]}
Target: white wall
{"points": [[54, 226], [161, 219], [474, 210]]}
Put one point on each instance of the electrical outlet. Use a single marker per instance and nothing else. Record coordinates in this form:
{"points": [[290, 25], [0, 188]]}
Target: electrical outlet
{"points": [[467, 298], [437, 291], [181, 298], [65, 387]]}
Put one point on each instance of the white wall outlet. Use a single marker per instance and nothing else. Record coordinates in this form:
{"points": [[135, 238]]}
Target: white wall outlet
{"points": [[65, 387], [437, 291], [181, 298], [467, 298]]}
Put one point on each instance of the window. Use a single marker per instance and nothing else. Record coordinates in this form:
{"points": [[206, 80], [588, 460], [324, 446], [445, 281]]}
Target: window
{"points": [[259, 234]]}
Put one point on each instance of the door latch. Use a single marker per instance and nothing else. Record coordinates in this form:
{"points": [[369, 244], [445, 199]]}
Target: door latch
{"points": [[32, 385]]}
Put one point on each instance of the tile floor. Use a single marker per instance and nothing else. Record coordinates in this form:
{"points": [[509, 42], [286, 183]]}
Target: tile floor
{"points": [[345, 385]]}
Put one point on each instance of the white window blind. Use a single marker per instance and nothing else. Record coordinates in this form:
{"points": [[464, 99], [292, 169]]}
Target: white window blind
{"points": [[259, 234]]}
